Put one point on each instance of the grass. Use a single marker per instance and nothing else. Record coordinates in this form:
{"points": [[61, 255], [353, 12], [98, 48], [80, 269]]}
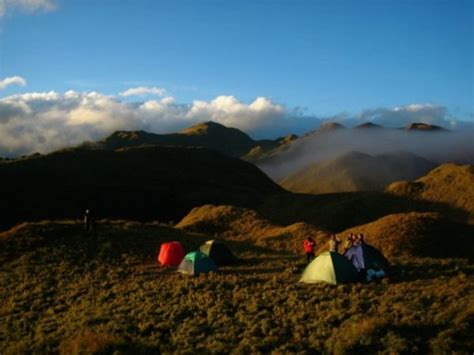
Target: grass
{"points": [[63, 292], [449, 183]]}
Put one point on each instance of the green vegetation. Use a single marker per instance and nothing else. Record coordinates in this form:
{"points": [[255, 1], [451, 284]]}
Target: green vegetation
{"points": [[66, 292]]}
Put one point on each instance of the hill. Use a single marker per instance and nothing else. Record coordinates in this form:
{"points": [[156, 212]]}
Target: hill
{"points": [[418, 234], [413, 234], [355, 171], [210, 135], [243, 224], [143, 183], [449, 184]]}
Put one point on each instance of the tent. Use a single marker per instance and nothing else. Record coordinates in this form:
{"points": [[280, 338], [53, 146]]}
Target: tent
{"points": [[330, 267], [218, 252], [366, 257], [195, 263], [171, 254]]}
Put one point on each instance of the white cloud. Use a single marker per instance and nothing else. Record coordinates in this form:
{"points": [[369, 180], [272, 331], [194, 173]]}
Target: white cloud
{"points": [[29, 6], [45, 121], [12, 80], [49, 120], [144, 90]]}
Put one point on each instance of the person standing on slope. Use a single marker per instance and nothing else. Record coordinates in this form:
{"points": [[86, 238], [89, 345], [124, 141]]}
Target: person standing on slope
{"points": [[309, 244], [89, 222]]}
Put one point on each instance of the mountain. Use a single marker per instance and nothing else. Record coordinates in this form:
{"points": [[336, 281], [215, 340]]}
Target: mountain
{"points": [[291, 147], [329, 127], [423, 127], [449, 184], [261, 152], [355, 171], [368, 125], [330, 141], [210, 135], [143, 183]]}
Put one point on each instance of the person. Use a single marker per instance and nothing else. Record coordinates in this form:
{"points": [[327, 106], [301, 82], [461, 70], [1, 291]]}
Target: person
{"points": [[89, 223], [309, 244], [356, 240], [348, 242], [334, 242]]}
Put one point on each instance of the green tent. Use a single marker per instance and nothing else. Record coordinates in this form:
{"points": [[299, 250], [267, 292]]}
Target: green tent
{"points": [[195, 263], [330, 267], [218, 252]]}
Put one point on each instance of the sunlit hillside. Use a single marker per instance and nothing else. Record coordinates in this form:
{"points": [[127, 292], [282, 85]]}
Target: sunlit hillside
{"points": [[450, 184], [71, 293]]}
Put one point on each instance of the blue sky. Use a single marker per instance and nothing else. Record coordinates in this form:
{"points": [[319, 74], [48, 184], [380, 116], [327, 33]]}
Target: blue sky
{"points": [[268, 67], [326, 56]]}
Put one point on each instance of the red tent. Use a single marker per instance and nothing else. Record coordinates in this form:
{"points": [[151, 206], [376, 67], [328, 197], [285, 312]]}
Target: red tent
{"points": [[171, 254]]}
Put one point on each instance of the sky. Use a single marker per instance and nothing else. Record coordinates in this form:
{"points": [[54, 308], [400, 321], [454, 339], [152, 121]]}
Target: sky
{"points": [[266, 66]]}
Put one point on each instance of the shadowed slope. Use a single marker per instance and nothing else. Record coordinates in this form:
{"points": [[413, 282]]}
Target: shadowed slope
{"points": [[145, 183]]}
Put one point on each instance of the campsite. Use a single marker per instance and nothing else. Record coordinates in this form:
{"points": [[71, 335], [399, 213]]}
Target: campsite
{"points": [[63, 292], [236, 177]]}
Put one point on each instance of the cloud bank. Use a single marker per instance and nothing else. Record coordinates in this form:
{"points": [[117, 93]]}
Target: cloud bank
{"points": [[12, 80], [28, 6], [45, 121]]}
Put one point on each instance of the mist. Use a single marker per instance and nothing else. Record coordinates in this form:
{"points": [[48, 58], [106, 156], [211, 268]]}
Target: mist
{"points": [[436, 146]]}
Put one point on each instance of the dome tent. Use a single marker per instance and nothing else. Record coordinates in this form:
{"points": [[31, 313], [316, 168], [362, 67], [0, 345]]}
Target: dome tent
{"points": [[195, 263], [171, 254], [330, 267], [367, 257], [218, 252]]}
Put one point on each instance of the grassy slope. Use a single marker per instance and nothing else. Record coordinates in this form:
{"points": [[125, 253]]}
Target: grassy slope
{"points": [[419, 234], [243, 224], [63, 291], [143, 183], [449, 183]]}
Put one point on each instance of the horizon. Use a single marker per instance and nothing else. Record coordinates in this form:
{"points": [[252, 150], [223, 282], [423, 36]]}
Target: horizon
{"points": [[74, 71]]}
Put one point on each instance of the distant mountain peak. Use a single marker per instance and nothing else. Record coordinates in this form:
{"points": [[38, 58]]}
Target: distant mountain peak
{"points": [[330, 126], [206, 127], [368, 125], [420, 126]]}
